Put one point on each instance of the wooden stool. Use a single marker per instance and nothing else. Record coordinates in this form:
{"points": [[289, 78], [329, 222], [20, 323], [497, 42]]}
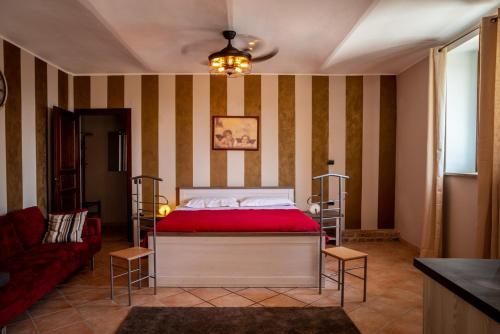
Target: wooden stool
{"points": [[343, 254], [130, 254]]}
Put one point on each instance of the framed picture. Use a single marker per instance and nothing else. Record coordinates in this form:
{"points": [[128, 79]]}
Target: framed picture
{"points": [[240, 133]]}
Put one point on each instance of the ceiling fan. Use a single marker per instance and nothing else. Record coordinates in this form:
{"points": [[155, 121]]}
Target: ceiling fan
{"points": [[232, 61]]}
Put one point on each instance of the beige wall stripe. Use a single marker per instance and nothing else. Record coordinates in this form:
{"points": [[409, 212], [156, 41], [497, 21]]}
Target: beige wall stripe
{"points": [[81, 85], [371, 121], [41, 133], [149, 131], [286, 130], [387, 157], [13, 137], [184, 130], [218, 107], [303, 139], [253, 108], [116, 91], [201, 131], [320, 124], [269, 131], [28, 130], [337, 133], [166, 136], [235, 107], [354, 149]]}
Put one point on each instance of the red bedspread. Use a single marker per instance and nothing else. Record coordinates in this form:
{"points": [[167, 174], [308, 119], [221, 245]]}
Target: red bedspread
{"points": [[265, 220]]}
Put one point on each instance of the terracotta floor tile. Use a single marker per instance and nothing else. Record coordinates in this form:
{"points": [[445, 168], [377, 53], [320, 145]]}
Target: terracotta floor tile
{"points": [[110, 323], [22, 327], [56, 320], [281, 290], [368, 320], [99, 308], [47, 306], [204, 305], [282, 301], [184, 299], [77, 328], [257, 294], [234, 289], [209, 293], [305, 295], [231, 300]]}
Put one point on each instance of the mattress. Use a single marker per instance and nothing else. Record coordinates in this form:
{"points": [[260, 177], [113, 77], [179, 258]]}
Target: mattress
{"points": [[238, 220]]}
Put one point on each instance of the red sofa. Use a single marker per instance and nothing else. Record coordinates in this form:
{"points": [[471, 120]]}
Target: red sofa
{"points": [[36, 268]]}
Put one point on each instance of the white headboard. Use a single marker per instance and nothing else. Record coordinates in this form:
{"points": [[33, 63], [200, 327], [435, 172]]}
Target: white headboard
{"points": [[186, 194]]}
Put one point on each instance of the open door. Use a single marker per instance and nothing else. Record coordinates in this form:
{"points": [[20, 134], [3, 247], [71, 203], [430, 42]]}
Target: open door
{"points": [[66, 160]]}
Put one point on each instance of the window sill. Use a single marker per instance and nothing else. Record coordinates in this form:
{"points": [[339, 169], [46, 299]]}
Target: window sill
{"points": [[474, 174]]}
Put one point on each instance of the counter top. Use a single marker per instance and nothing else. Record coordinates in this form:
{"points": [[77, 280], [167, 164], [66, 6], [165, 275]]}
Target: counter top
{"points": [[477, 281]]}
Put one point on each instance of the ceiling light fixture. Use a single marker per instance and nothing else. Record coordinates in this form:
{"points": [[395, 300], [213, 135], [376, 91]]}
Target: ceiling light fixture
{"points": [[230, 60]]}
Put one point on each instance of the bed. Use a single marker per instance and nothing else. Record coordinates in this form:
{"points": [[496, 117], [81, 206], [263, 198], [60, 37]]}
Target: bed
{"points": [[236, 247]]}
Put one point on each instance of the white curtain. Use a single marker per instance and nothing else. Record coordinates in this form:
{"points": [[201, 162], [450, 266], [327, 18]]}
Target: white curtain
{"points": [[432, 231]]}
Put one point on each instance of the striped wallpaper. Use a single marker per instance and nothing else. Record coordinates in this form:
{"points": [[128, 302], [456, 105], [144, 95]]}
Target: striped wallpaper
{"points": [[305, 120], [33, 88]]}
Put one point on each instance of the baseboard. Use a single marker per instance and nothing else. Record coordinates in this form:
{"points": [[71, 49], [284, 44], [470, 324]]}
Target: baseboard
{"points": [[370, 235], [410, 245]]}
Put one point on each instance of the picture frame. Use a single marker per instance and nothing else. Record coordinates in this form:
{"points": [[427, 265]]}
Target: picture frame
{"points": [[236, 133]]}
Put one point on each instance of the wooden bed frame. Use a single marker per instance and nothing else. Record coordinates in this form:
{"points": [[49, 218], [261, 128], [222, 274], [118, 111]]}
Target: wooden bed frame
{"points": [[260, 259]]}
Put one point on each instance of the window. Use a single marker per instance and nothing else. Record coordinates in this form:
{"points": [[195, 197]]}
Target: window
{"points": [[461, 107]]}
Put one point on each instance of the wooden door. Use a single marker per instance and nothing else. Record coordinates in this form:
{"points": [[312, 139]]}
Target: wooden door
{"points": [[66, 160]]}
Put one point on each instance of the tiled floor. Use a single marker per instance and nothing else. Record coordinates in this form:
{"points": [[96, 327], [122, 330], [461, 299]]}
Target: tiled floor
{"points": [[82, 304]]}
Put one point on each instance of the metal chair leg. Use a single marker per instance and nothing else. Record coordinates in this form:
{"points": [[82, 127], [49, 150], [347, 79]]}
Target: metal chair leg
{"points": [[140, 274], [365, 278], [343, 283], [92, 263], [129, 284], [111, 278], [338, 274]]}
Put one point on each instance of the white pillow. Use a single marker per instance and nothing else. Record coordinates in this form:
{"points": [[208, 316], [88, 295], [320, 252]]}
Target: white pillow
{"points": [[266, 201], [212, 202]]}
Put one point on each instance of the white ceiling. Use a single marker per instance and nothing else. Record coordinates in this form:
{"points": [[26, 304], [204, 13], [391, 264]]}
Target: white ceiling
{"points": [[314, 36]]}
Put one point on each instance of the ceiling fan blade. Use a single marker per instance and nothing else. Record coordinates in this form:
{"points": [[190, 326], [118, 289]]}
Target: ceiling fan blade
{"points": [[266, 56], [206, 46]]}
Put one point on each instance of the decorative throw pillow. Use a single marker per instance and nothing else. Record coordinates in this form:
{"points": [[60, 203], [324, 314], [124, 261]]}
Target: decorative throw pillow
{"points": [[66, 227]]}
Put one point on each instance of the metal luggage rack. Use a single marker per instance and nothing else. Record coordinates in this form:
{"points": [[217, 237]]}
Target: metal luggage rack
{"points": [[327, 214]]}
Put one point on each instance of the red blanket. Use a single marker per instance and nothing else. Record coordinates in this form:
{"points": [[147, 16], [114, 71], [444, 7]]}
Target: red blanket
{"points": [[264, 220]]}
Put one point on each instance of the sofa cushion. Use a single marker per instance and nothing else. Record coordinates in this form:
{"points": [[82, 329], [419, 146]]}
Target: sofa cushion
{"points": [[29, 224], [65, 227], [10, 244]]}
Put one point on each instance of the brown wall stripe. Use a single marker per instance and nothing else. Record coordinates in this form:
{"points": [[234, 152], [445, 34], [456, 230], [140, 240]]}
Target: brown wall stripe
{"points": [[286, 130], [218, 107], [81, 86], [354, 149], [320, 93], [184, 130], [252, 108], [62, 83], [149, 129], [41, 133], [116, 91], [12, 70], [387, 152]]}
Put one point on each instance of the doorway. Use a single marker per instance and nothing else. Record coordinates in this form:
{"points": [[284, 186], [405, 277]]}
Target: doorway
{"points": [[105, 139]]}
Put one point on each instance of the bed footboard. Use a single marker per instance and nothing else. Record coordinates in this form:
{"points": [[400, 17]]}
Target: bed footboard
{"points": [[237, 259]]}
